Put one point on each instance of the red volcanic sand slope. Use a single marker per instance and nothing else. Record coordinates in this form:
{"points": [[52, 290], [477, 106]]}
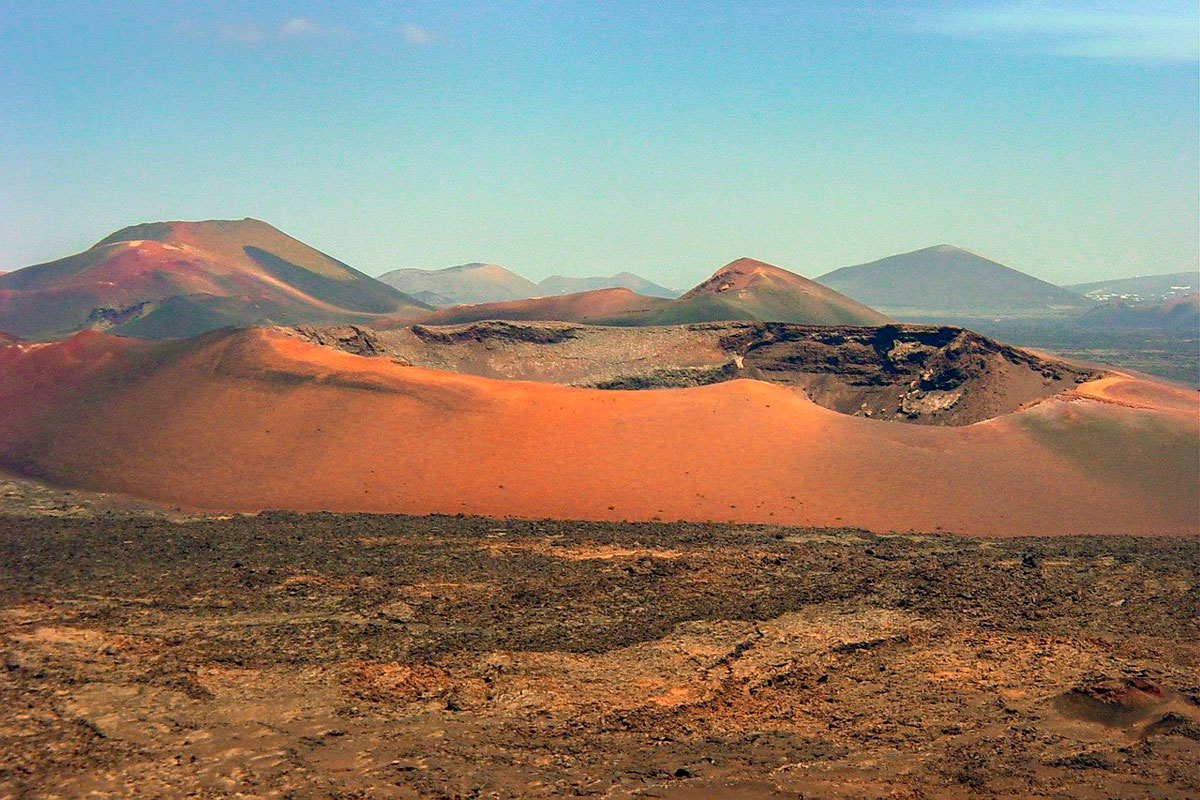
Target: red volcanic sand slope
{"points": [[751, 289], [613, 306], [258, 419]]}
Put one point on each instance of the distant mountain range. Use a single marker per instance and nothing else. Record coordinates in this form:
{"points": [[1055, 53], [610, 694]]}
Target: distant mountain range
{"points": [[170, 279], [559, 284], [745, 289], [465, 283], [470, 284], [949, 280]]}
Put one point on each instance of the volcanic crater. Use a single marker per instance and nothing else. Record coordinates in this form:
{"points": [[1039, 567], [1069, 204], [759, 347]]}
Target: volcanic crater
{"points": [[922, 374]]}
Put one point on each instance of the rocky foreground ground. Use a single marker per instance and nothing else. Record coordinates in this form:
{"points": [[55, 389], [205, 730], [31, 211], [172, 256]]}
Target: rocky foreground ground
{"points": [[323, 656]]}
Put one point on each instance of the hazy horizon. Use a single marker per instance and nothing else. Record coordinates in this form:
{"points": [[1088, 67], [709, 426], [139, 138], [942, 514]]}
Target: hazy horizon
{"points": [[1059, 138]]}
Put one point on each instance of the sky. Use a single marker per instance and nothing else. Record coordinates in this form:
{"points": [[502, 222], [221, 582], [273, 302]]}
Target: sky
{"points": [[1061, 138]]}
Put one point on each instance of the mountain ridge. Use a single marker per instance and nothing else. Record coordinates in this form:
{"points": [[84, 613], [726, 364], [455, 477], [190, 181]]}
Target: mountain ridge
{"points": [[1157, 287], [744, 289], [567, 284], [474, 282]]}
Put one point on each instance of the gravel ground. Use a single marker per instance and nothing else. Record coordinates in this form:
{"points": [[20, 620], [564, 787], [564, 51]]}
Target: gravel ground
{"points": [[285, 655]]}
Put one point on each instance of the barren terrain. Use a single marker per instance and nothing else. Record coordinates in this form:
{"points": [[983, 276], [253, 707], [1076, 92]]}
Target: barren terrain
{"points": [[322, 656]]}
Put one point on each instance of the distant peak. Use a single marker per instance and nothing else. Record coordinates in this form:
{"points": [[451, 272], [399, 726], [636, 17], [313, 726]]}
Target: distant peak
{"points": [[746, 263], [739, 274], [950, 249], [470, 267], [745, 266]]}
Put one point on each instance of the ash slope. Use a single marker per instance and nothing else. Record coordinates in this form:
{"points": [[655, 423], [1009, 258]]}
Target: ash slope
{"points": [[255, 419], [170, 279]]}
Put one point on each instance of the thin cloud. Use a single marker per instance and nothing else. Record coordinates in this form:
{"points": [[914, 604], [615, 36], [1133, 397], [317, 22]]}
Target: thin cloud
{"points": [[1129, 31], [254, 33], [247, 33], [415, 34], [299, 26]]}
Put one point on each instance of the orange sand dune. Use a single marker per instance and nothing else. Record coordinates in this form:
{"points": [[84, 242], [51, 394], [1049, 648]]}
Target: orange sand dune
{"points": [[1125, 389], [258, 419]]}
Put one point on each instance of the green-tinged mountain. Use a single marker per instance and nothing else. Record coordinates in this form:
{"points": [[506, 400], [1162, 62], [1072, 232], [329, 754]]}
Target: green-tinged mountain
{"points": [[949, 280]]}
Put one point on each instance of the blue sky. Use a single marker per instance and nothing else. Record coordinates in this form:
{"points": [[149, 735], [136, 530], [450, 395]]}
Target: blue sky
{"points": [[1062, 138]]}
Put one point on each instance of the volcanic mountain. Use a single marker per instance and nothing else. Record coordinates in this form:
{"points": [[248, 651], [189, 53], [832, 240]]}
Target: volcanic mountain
{"points": [[263, 418], [562, 284], [741, 290], [167, 279], [753, 290], [949, 280], [465, 283]]}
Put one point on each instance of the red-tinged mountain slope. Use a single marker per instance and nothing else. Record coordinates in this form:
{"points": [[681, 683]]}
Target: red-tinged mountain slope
{"points": [[747, 289], [597, 307], [259, 419], [168, 279], [741, 290]]}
